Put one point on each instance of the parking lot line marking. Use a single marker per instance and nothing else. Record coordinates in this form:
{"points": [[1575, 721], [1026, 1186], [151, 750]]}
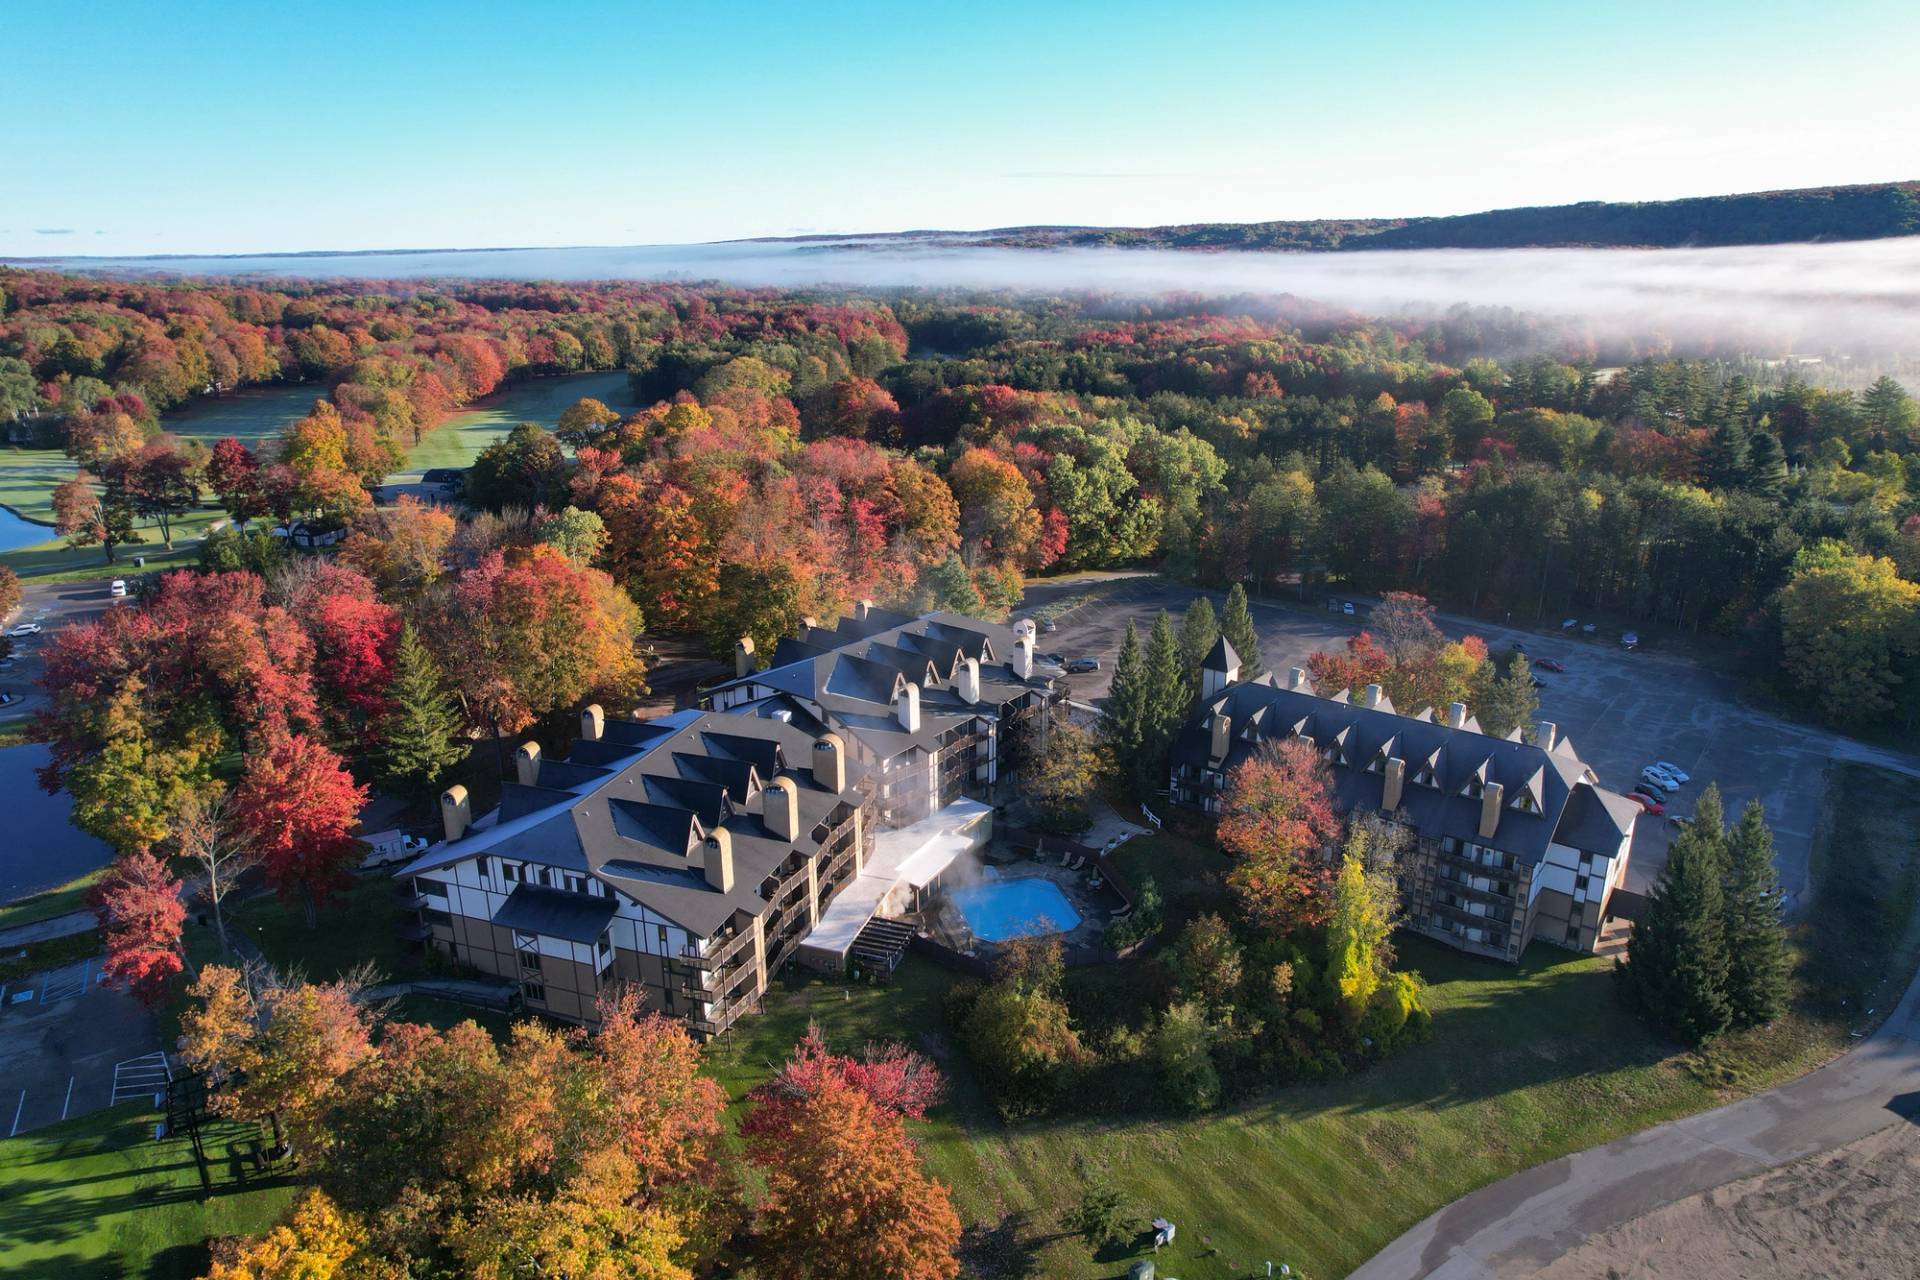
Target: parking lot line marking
{"points": [[17, 1107], [69, 1101]]}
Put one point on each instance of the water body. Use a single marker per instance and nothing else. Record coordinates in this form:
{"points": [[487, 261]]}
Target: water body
{"points": [[1803, 295], [16, 532], [43, 849]]}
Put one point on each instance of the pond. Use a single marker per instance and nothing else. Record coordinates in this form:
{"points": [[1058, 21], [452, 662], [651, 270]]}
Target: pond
{"points": [[16, 532], [1027, 907], [44, 850]]}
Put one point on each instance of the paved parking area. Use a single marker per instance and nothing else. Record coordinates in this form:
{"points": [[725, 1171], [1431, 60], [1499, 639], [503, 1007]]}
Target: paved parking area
{"points": [[69, 1045], [1621, 709]]}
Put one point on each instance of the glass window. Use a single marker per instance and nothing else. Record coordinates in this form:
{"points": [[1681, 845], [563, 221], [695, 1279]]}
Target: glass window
{"points": [[606, 943], [534, 991], [574, 885], [510, 872]]}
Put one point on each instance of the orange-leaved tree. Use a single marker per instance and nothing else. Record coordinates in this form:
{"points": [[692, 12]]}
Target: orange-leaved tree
{"points": [[1276, 816]]}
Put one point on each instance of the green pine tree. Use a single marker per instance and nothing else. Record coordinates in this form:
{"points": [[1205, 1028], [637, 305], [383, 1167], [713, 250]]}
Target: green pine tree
{"points": [[1121, 719], [1168, 696], [1199, 629], [1709, 823], [1725, 460], [1676, 967], [422, 736], [1236, 624], [1756, 936], [1510, 699], [1766, 465]]}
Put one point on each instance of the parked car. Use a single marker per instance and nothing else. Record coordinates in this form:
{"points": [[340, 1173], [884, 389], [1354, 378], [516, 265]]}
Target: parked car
{"points": [[1548, 664], [1049, 626], [1674, 781], [24, 630], [8, 699], [1346, 607], [1538, 683], [1679, 819], [1660, 782], [7, 664], [1647, 802], [1570, 624], [1516, 646], [1057, 659], [1081, 666], [119, 587], [1668, 767], [1588, 628], [1631, 640]]}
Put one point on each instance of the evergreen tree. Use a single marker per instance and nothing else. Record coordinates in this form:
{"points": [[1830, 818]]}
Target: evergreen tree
{"points": [[1510, 699], [1726, 461], [1121, 720], [1199, 629], [1709, 822], [1168, 695], [1676, 967], [1756, 936], [1766, 466], [1236, 624], [422, 736]]}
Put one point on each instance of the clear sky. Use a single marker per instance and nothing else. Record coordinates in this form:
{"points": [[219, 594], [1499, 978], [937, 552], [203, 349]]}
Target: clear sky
{"points": [[167, 126]]}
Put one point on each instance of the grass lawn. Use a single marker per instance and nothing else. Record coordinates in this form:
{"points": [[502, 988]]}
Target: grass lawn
{"points": [[357, 925], [250, 415], [70, 896], [97, 1199], [54, 953], [459, 440]]}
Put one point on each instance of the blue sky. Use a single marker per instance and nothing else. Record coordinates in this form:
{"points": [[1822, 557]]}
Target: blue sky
{"points": [[174, 127]]}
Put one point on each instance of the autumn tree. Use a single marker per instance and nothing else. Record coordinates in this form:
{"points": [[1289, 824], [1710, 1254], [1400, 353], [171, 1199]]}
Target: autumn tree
{"points": [[1362, 663], [1276, 814], [998, 520], [161, 481], [1359, 927], [1019, 1032], [298, 804], [315, 1242], [583, 421], [233, 473], [208, 835], [1060, 770], [138, 905], [88, 516], [401, 548], [1848, 627], [1206, 960]]}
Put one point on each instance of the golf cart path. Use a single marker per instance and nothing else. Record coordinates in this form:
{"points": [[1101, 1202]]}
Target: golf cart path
{"points": [[1519, 1225], [64, 926]]}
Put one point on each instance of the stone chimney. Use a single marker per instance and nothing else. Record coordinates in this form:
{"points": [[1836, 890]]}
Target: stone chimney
{"points": [[906, 707], [780, 801], [526, 764], [743, 663], [1296, 678], [830, 763], [1220, 726], [1371, 697], [1396, 778], [1457, 715], [718, 857], [1023, 657], [969, 680], [1544, 734], [593, 723], [1490, 799], [456, 811]]}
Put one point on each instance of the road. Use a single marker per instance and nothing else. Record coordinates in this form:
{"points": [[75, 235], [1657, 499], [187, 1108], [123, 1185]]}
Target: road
{"points": [[53, 605], [1621, 709], [1519, 1225]]}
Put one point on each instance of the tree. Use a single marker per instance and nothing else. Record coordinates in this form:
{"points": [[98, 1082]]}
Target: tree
{"points": [[309, 1037], [208, 834], [1123, 718], [401, 548], [1019, 1032], [422, 735], [584, 421], [1061, 770], [1276, 813], [138, 905], [949, 585], [1510, 701], [9, 592], [161, 482], [87, 517], [1183, 1051], [1206, 960], [233, 473], [1359, 928], [1236, 624], [1468, 415], [846, 1198], [1766, 465], [900, 1082], [525, 469], [1363, 663], [298, 803], [578, 535], [1199, 631], [1889, 413], [998, 521], [1168, 694], [1676, 966], [127, 788], [1758, 967], [316, 1242], [1849, 630]]}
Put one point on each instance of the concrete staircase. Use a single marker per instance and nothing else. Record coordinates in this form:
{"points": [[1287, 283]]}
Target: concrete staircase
{"points": [[1614, 933]]}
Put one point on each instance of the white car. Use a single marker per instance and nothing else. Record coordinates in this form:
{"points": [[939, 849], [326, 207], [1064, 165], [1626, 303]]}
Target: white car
{"points": [[1658, 780], [24, 630], [1672, 783], [119, 587], [1675, 771]]}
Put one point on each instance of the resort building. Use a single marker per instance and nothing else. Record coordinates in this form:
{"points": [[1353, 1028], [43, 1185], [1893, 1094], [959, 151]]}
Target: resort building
{"points": [[926, 704], [1511, 840], [687, 856]]}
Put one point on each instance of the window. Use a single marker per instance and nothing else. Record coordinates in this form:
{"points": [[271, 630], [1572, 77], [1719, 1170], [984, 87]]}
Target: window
{"points": [[483, 865], [432, 888], [574, 885], [1580, 885], [510, 872], [605, 945], [534, 992]]}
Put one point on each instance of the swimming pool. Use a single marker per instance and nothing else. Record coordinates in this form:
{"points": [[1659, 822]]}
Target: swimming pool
{"points": [[1022, 908]]}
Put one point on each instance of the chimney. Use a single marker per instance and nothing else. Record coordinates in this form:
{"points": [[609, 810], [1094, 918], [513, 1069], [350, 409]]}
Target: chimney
{"points": [[1023, 657], [1372, 696], [1220, 725], [1396, 777], [861, 608], [526, 764], [719, 859], [906, 707], [970, 680], [455, 811], [830, 763], [1029, 628], [1490, 799], [1296, 678], [1457, 715], [593, 723], [780, 806], [743, 664], [1544, 734]]}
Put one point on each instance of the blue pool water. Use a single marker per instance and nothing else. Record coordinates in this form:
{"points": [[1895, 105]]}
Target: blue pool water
{"points": [[1024, 908]]}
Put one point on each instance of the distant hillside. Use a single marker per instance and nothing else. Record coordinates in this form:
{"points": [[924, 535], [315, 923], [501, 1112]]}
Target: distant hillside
{"points": [[1767, 217]]}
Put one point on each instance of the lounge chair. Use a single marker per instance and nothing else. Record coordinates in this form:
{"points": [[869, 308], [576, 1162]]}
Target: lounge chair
{"points": [[1077, 863], [1065, 855]]}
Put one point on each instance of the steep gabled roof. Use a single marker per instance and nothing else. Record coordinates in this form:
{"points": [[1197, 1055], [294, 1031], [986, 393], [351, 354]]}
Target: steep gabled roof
{"points": [[1221, 657]]}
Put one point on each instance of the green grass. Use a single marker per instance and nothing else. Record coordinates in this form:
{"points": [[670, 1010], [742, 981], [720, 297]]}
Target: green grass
{"points": [[28, 478], [71, 896], [251, 415], [357, 925], [459, 440], [54, 953], [97, 1199]]}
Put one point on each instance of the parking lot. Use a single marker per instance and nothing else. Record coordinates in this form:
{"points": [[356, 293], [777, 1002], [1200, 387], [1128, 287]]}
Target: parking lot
{"points": [[69, 1045], [1622, 709]]}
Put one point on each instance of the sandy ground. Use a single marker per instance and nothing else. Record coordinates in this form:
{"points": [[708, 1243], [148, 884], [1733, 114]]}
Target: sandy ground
{"points": [[1849, 1212]]}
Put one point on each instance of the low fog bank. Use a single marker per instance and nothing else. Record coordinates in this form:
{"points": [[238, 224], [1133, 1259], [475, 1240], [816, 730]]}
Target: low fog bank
{"points": [[1861, 295]]}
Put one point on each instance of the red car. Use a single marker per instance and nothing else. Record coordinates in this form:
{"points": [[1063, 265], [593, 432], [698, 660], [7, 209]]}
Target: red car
{"points": [[1648, 803], [1548, 664]]}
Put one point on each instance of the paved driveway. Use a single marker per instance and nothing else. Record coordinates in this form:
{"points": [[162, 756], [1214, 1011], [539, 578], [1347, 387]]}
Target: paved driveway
{"points": [[1516, 1226]]}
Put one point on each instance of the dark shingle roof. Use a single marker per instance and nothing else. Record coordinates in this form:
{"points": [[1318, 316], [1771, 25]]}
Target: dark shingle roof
{"points": [[1221, 657], [554, 914]]}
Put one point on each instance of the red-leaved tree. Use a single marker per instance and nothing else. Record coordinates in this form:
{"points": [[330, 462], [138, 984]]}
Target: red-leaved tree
{"points": [[1276, 815], [298, 803], [899, 1081], [138, 904]]}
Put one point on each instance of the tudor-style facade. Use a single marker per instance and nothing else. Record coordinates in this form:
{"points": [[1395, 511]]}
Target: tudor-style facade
{"points": [[1511, 840]]}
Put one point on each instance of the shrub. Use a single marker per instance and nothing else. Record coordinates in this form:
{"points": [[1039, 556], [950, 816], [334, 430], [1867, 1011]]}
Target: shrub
{"points": [[1183, 1048]]}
